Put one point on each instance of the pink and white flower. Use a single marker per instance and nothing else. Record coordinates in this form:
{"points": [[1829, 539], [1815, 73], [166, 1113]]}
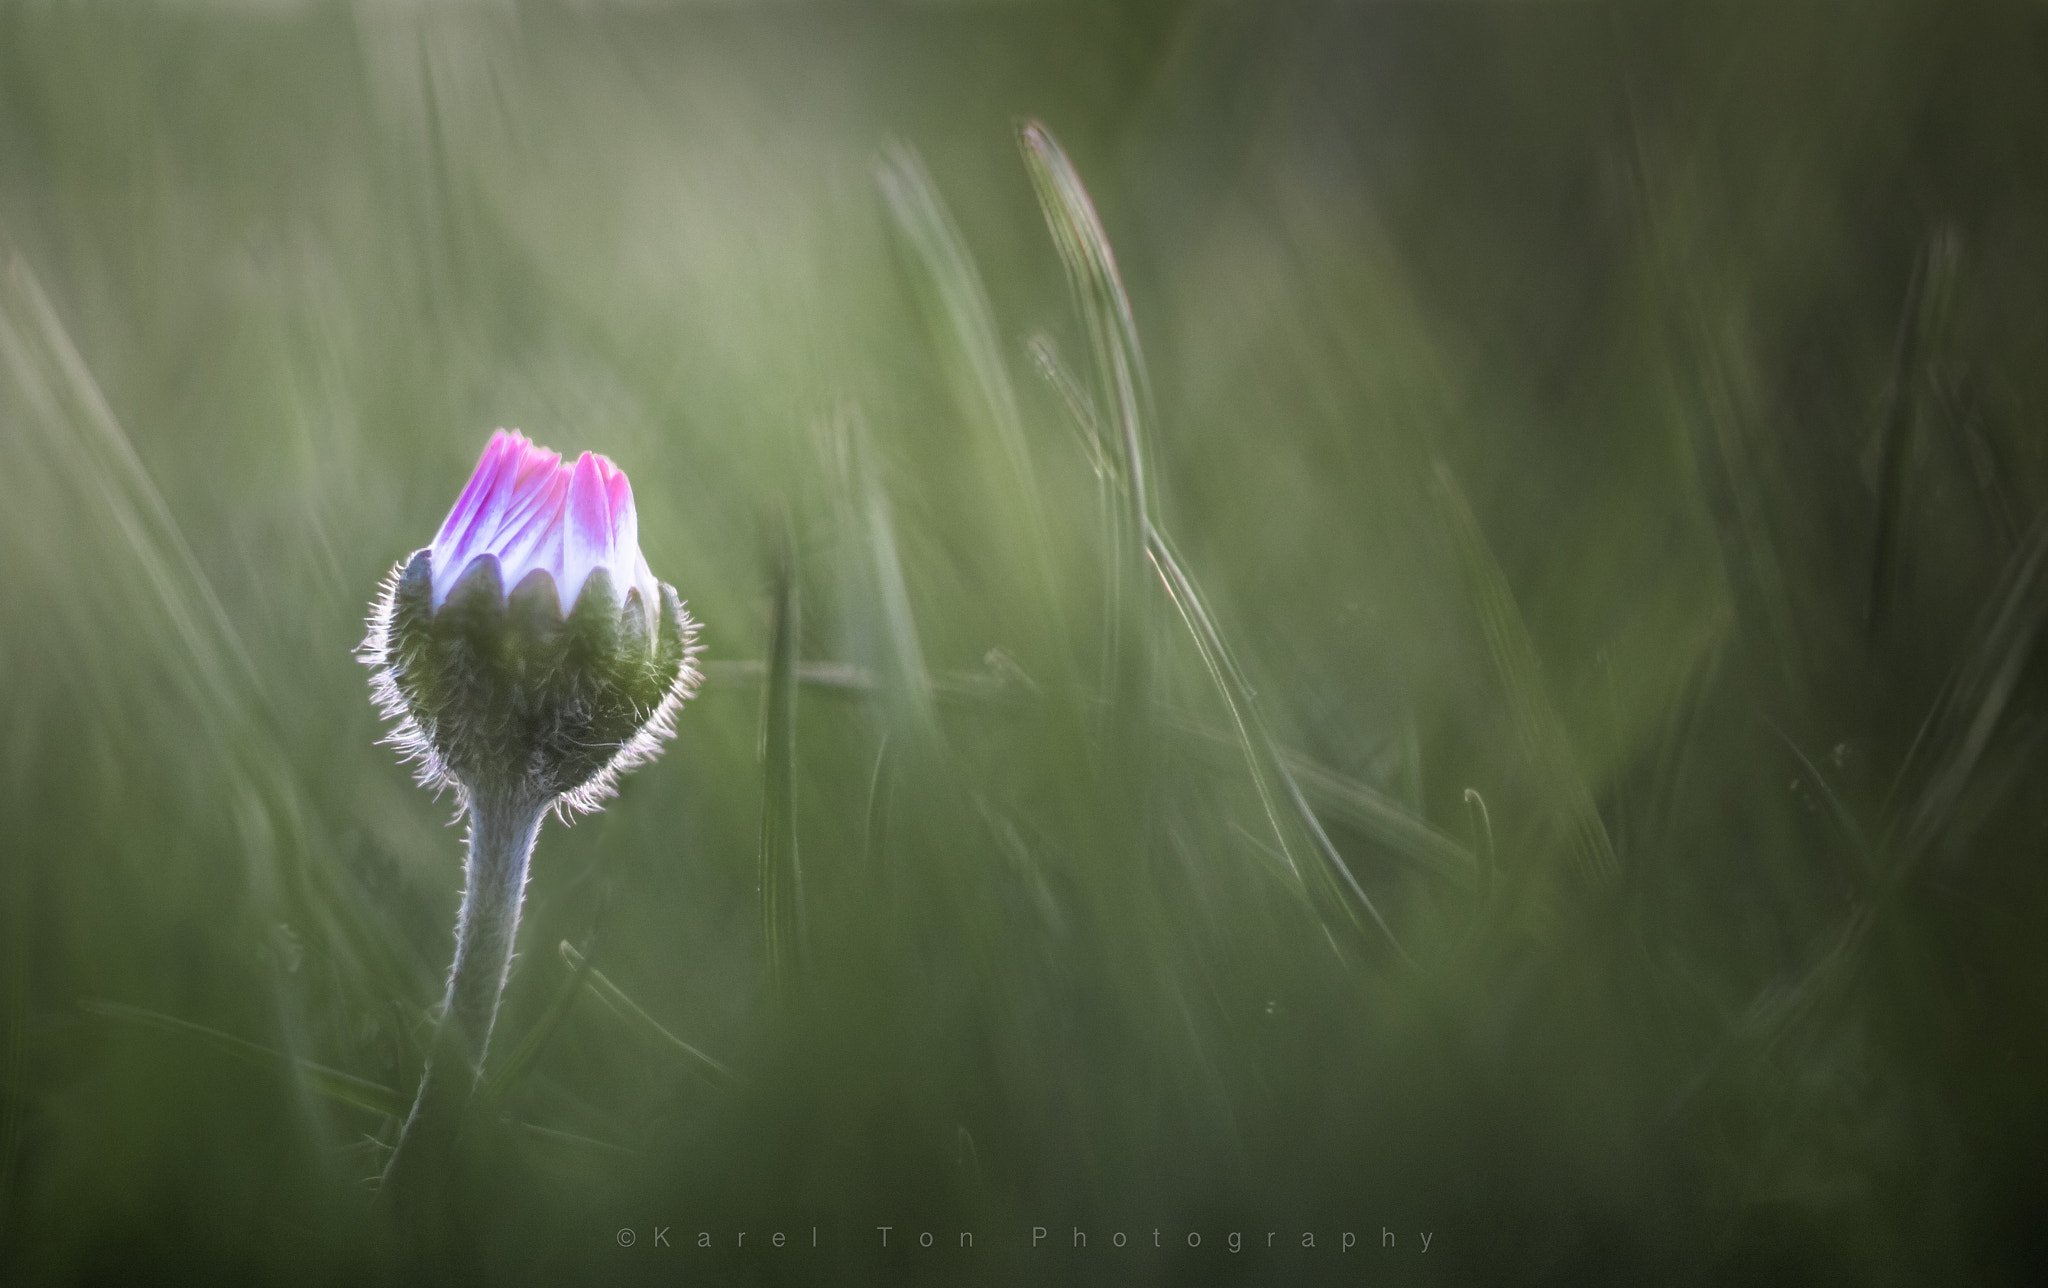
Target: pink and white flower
{"points": [[526, 658], [529, 653], [536, 514]]}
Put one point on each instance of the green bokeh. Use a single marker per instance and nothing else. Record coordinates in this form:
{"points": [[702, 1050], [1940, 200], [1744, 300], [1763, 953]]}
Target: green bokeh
{"points": [[1600, 451]]}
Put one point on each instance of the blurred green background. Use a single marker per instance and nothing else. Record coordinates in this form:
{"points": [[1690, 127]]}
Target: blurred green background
{"points": [[1582, 800]]}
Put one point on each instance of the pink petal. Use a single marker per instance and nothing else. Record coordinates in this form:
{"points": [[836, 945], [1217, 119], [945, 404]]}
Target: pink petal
{"points": [[468, 529], [463, 515], [587, 536], [625, 521], [629, 567], [529, 502], [532, 536], [535, 462], [532, 511]]}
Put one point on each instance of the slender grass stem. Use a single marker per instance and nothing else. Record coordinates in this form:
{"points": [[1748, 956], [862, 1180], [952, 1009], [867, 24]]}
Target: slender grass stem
{"points": [[782, 891]]}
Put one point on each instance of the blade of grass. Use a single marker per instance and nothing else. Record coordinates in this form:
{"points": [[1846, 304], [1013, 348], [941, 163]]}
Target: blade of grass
{"points": [[1112, 332], [846, 677], [80, 433], [1920, 324], [1045, 356], [1482, 837], [927, 227], [1359, 805], [960, 310], [1356, 803], [869, 512], [629, 1010], [555, 1135], [332, 1083], [1105, 308], [1537, 727], [1108, 487], [1959, 728], [1713, 401], [1383, 818], [1853, 834], [1098, 288], [501, 1078], [1262, 754], [73, 428], [781, 877], [875, 817]]}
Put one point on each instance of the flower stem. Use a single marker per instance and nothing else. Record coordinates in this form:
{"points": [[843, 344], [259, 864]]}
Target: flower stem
{"points": [[502, 828]]}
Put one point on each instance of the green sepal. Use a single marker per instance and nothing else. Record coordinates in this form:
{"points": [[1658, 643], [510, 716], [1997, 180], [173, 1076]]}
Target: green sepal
{"points": [[512, 695]]}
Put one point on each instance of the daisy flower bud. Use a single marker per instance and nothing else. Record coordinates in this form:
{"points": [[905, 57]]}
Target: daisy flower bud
{"points": [[528, 657], [529, 651]]}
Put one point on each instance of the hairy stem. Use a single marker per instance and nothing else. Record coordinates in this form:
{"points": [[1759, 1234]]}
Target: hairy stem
{"points": [[502, 829]]}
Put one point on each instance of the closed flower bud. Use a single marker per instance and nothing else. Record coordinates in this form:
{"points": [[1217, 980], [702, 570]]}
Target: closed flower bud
{"points": [[528, 652], [528, 657]]}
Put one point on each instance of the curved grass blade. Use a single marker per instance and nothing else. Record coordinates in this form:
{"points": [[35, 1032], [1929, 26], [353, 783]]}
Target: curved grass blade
{"points": [[926, 225], [629, 1010], [502, 1077], [81, 435], [960, 309], [1105, 308], [1535, 720], [1262, 753], [1112, 332], [1383, 818], [1482, 836], [68, 437], [1365, 808], [332, 1083], [1045, 355], [1959, 729]]}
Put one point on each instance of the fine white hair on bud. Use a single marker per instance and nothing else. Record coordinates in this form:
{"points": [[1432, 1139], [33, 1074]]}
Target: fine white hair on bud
{"points": [[529, 651]]}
